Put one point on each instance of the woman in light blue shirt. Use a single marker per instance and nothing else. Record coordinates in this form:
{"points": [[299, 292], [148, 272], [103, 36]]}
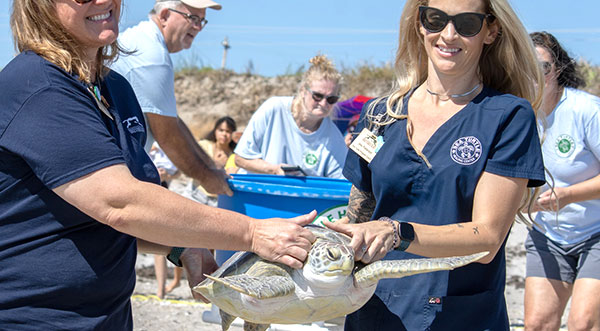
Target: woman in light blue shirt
{"points": [[563, 249]]}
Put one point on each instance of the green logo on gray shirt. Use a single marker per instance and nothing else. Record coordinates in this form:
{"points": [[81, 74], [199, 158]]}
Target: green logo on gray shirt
{"points": [[310, 159], [565, 145]]}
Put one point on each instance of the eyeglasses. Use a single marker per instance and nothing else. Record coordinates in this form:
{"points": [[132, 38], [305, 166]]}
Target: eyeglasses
{"points": [[195, 19], [466, 24], [546, 67], [331, 99]]}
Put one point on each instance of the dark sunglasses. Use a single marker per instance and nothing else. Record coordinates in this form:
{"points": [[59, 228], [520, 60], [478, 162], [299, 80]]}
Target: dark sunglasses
{"points": [[194, 19], [331, 99], [466, 24], [546, 67]]}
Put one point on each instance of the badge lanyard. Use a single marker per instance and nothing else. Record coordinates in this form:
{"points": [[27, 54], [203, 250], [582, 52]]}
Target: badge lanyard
{"points": [[367, 144], [100, 101]]}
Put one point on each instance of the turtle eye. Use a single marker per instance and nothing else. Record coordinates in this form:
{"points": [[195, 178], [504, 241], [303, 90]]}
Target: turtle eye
{"points": [[333, 254]]}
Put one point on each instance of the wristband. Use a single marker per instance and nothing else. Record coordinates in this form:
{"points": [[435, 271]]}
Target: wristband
{"points": [[174, 256], [395, 234]]}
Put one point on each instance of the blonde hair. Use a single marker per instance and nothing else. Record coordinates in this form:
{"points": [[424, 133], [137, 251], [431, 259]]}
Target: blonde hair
{"points": [[508, 65], [321, 68], [36, 27]]}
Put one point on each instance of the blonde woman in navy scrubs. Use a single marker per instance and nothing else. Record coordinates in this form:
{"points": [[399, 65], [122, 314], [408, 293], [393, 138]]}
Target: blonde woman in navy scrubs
{"points": [[457, 149]]}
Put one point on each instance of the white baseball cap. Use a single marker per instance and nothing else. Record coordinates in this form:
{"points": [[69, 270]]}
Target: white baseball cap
{"points": [[199, 4]]}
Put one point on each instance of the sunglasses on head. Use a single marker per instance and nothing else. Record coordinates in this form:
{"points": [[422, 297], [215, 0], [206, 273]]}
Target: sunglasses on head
{"points": [[546, 67], [331, 99], [466, 24]]}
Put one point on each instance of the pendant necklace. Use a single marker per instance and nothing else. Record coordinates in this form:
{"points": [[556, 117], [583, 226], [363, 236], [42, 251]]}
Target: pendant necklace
{"points": [[100, 101], [452, 96]]}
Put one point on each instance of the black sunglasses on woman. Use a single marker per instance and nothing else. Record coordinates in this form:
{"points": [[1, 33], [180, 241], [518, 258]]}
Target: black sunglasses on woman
{"points": [[466, 24], [331, 99]]}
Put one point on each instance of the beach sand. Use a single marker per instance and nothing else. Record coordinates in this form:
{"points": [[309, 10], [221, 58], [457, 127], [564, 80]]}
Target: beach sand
{"points": [[178, 311]]}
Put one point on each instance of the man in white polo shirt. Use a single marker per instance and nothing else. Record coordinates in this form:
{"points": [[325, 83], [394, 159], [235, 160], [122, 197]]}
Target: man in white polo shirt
{"points": [[171, 27]]}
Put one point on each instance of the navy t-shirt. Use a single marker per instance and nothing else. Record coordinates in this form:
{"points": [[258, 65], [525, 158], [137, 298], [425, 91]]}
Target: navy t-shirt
{"points": [[59, 268], [494, 133]]}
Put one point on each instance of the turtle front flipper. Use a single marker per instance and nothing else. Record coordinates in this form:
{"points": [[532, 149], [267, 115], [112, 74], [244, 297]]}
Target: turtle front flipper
{"points": [[372, 273], [258, 287], [249, 326]]}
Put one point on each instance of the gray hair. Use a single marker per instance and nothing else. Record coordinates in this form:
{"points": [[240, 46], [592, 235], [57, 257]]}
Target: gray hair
{"points": [[160, 5]]}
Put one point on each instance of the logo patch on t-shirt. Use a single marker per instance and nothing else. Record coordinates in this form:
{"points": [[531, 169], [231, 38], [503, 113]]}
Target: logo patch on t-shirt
{"points": [[466, 150], [133, 125], [310, 159], [435, 301], [564, 145]]}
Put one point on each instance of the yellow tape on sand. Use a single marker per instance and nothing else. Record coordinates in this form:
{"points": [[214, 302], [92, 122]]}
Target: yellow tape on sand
{"points": [[139, 297]]}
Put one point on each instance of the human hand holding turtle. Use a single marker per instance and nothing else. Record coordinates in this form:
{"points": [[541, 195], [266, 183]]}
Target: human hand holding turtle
{"points": [[283, 240], [371, 241]]}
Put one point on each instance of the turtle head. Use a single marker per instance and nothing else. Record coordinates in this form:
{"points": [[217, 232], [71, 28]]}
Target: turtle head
{"points": [[328, 262]]}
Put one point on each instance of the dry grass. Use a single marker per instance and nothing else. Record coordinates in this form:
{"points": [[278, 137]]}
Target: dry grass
{"points": [[591, 74], [205, 94]]}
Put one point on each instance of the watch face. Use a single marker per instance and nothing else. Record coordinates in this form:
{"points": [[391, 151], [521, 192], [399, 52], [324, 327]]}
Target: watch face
{"points": [[406, 231]]}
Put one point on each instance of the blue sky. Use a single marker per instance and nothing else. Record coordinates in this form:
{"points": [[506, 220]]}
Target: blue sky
{"points": [[272, 37]]}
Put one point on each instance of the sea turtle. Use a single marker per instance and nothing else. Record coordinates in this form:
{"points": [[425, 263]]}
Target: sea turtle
{"points": [[328, 286]]}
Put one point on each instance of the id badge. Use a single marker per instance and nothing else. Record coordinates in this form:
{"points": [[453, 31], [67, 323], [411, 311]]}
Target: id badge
{"points": [[366, 145]]}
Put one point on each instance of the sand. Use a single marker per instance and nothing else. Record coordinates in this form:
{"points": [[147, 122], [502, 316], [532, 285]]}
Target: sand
{"points": [[178, 311]]}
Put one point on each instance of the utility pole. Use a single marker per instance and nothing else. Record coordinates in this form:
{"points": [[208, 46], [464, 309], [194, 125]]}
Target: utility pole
{"points": [[226, 46]]}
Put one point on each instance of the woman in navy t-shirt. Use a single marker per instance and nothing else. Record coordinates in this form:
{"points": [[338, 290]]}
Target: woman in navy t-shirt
{"points": [[78, 193], [456, 148]]}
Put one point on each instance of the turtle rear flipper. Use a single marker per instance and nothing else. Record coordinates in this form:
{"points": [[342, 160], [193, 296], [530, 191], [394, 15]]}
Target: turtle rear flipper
{"points": [[226, 320], [372, 273], [258, 287], [249, 326]]}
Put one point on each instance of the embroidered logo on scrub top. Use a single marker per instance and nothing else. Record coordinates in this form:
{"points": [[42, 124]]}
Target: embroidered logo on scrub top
{"points": [[310, 159], [466, 150], [133, 125], [564, 145]]}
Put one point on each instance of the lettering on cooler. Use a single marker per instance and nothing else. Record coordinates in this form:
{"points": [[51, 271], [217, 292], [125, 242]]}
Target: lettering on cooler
{"points": [[330, 214]]}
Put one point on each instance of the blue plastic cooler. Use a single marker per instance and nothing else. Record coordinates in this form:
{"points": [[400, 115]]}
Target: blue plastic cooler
{"points": [[267, 196]]}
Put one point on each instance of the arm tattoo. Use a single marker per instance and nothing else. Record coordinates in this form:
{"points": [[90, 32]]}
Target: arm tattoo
{"points": [[360, 206], [476, 230]]}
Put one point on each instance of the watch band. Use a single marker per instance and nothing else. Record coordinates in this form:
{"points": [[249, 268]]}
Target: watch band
{"points": [[174, 256], [403, 245]]}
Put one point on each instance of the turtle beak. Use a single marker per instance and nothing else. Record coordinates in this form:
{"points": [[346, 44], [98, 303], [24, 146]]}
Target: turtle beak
{"points": [[345, 268]]}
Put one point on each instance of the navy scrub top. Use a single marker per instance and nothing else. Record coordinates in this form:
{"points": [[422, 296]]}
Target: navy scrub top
{"points": [[59, 268], [495, 133]]}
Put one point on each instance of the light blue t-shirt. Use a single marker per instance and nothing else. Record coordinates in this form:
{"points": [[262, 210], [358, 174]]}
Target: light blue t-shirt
{"points": [[149, 70], [272, 135], [571, 151]]}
